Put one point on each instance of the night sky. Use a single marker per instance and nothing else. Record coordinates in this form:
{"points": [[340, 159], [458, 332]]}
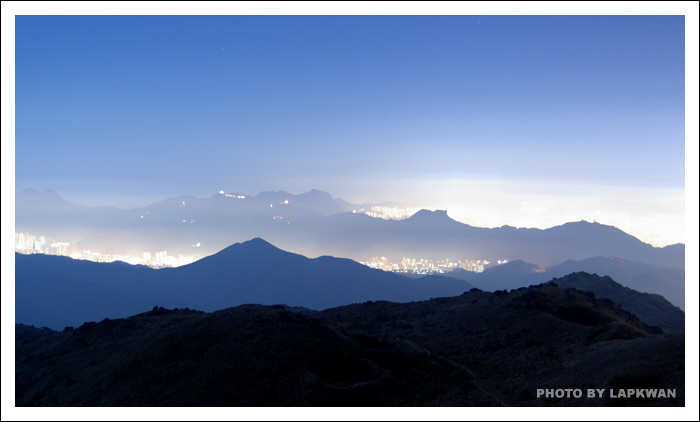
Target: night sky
{"points": [[521, 120]]}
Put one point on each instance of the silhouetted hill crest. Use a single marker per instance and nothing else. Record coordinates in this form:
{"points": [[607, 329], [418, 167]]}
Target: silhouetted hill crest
{"points": [[256, 245], [651, 308], [477, 349], [515, 267]]}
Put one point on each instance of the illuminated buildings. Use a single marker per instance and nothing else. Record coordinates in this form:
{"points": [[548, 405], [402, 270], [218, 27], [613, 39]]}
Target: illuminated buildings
{"points": [[425, 266], [29, 244]]}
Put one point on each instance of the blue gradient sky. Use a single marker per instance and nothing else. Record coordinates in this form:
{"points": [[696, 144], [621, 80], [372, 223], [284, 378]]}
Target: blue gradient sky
{"points": [[523, 120]]}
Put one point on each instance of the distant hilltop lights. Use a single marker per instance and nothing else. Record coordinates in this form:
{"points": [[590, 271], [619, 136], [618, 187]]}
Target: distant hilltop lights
{"points": [[375, 211], [231, 195]]}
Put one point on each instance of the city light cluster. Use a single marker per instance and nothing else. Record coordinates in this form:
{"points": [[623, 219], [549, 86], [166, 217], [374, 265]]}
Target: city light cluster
{"points": [[389, 213], [29, 244], [425, 266]]}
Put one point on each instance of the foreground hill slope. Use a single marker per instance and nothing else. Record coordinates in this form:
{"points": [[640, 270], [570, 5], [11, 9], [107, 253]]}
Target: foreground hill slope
{"points": [[652, 309], [251, 355], [477, 349]]}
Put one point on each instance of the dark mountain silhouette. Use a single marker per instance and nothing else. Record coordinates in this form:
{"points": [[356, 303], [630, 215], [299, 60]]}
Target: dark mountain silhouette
{"points": [[27, 332], [511, 275], [652, 309], [58, 291], [309, 224], [477, 349], [667, 282], [514, 342]]}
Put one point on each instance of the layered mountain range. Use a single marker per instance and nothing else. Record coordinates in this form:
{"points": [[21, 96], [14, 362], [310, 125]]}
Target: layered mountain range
{"points": [[57, 291], [651, 279], [579, 305], [313, 224]]}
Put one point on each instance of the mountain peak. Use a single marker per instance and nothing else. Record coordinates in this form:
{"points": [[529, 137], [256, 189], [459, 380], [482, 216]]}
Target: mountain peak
{"points": [[317, 194], [431, 216], [517, 266], [255, 246], [427, 213], [586, 224], [257, 243]]}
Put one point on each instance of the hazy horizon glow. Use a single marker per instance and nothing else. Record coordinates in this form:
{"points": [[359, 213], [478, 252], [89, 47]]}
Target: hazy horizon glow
{"points": [[516, 205], [530, 121]]}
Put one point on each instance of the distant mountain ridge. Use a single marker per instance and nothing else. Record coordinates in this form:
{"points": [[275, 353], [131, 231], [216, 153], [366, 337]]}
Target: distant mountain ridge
{"points": [[56, 291], [644, 278], [316, 200], [313, 224]]}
